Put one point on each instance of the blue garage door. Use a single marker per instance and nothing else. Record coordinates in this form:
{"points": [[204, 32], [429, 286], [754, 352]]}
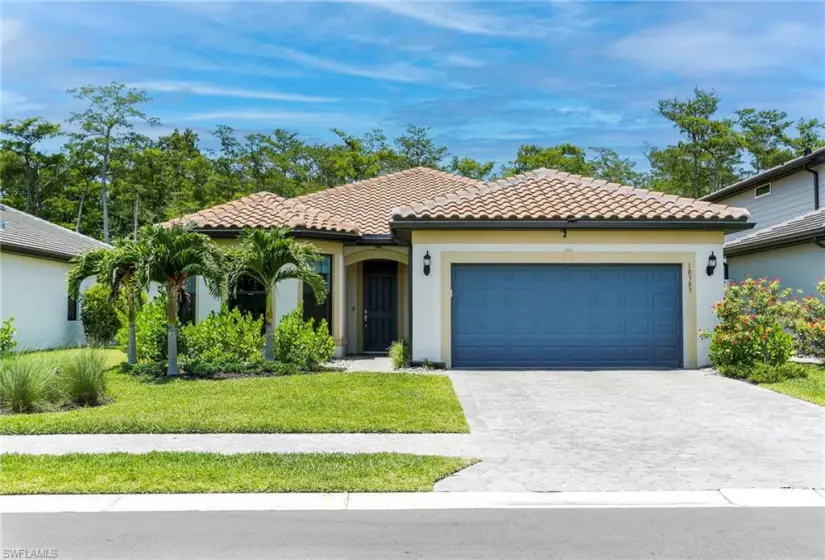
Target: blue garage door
{"points": [[566, 316]]}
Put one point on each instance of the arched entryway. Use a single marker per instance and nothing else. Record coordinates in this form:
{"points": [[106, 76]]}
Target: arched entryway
{"points": [[377, 298]]}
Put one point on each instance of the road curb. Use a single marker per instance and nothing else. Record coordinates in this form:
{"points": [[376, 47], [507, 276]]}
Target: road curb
{"points": [[98, 503]]}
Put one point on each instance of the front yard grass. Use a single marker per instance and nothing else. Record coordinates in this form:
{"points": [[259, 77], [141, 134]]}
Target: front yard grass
{"points": [[314, 403], [175, 472], [811, 388]]}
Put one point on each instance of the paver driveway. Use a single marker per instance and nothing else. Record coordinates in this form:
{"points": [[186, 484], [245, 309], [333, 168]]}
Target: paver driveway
{"points": [[639, 430]]}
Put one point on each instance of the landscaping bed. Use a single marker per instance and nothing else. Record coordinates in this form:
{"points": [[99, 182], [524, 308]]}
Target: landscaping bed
{"points": [[761, 326], [311, 403], [181, 472]]}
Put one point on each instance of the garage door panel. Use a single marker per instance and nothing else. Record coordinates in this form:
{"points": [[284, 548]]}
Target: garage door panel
{"points": [[564, 315]]}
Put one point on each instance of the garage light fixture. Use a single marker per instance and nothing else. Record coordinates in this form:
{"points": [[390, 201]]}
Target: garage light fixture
{"points": [[711, 264], [427, 262]]}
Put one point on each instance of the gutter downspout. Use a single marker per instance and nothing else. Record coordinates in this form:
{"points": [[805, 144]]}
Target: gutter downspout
{"points": [[816, 186]]}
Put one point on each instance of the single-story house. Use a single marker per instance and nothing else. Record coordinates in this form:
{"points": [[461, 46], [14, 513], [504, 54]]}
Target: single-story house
{"points": [[540, 270], [788, 240], [34, 262]]}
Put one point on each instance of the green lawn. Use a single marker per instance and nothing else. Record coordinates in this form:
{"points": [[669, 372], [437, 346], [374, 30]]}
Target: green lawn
{"points": [[167, 472], [326, 402], [811, 388]]}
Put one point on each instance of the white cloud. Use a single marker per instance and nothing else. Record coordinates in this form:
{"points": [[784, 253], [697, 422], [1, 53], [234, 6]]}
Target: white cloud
{"points": [[449, 16], [719, 43], [9, 30], [219, 91], [280, 118], [562, 19], [398, 72], [12, 104], [463, 61]]}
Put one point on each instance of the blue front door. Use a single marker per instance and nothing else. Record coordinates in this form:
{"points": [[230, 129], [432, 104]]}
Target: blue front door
{"points": [[566, 316]]}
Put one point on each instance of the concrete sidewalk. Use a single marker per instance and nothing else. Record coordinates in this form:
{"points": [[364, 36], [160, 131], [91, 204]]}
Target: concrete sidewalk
{"points": [[455, 445], [349, 501]]}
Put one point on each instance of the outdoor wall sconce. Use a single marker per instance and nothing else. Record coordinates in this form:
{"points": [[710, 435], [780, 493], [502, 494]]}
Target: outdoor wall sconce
{"points": [[427, 262], [711, 264]]}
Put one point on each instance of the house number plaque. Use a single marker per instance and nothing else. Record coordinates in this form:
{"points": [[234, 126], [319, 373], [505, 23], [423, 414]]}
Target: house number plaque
{"points": [[690, 279]]}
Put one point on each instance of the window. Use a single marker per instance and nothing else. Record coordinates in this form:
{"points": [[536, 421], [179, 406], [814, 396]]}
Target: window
{"points": [[762, 190], [250, 297], [71, 310], [186, 314], [312, 309]]}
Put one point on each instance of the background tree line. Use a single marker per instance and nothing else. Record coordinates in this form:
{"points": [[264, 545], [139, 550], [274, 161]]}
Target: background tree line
{"points": [[106, 180]]}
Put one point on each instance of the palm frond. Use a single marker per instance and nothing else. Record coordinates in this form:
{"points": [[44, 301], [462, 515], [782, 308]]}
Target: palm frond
{"points": [[271, 256], [83, 266], [177, 253]]}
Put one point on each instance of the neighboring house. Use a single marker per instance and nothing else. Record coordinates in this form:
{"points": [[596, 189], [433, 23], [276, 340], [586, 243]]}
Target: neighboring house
{"points": [[788, 241], [34, 261], [540, 270]]}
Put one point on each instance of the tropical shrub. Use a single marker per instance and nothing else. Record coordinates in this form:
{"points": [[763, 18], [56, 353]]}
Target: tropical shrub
{"points": [[150, 331], [100, 322], [809, 324], [25, 384], [8, 344], [769, 373], [151, 369], [298, 342], [225, 336], [202, 368], [753, 317], [399, 354]]}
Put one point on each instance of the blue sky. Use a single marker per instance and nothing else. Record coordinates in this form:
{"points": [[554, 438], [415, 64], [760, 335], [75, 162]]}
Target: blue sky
{"points": [[486, 76]]}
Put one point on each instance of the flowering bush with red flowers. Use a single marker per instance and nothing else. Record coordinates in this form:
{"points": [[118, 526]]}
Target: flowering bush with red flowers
{"points": [[753, 320], [809, 324]]}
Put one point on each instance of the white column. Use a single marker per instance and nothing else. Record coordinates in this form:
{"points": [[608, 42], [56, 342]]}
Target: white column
{"points": [[339, 302]]}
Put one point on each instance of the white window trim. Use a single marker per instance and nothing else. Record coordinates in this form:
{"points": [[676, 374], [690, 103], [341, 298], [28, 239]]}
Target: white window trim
{"points": [[755, 195]]}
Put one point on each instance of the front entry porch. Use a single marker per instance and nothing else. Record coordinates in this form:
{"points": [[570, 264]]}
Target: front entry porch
{"points": [[376, 298]]}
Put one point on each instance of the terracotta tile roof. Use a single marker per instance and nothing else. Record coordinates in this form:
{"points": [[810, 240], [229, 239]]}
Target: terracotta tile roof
{"points": [[799, 229], [369, 203], [24, 233], [546, 194], [265, 209]]}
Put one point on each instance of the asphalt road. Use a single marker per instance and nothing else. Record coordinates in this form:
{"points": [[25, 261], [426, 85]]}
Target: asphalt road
{"points": [[723, 533]]}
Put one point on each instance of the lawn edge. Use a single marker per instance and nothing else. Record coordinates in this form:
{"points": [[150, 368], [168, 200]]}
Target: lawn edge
{"points": [[461, 463]]}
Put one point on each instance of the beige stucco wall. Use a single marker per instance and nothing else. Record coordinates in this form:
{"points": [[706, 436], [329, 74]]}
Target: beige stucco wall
{"points": [[431, 294]]}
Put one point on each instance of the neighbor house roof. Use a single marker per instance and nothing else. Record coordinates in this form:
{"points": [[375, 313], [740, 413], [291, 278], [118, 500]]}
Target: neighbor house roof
{"points": [[814, 158], [549, 195], [369, 203], [800, 229], [27, 234], [265, 209]]}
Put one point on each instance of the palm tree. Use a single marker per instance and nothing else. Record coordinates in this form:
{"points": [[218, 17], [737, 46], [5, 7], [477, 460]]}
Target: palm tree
{"points": [[173, 255], [270, 256], [115, 268]]}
